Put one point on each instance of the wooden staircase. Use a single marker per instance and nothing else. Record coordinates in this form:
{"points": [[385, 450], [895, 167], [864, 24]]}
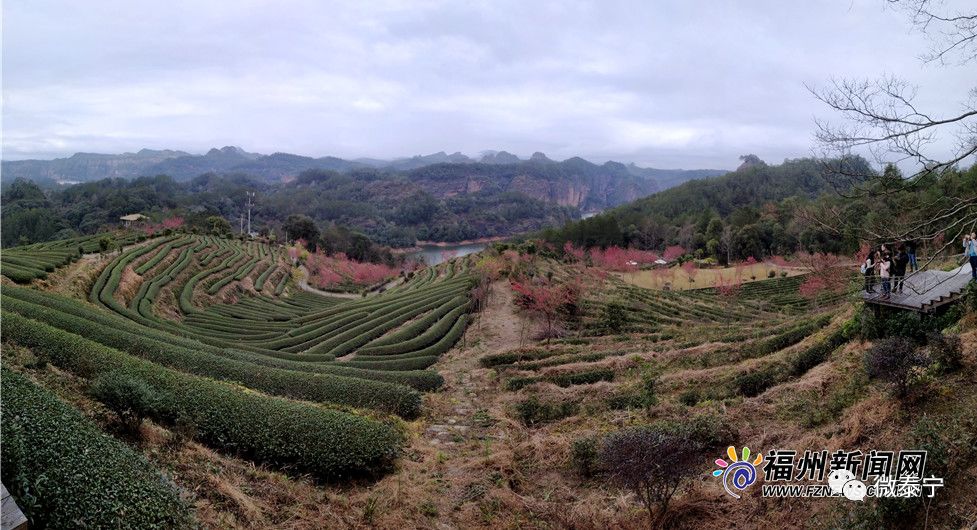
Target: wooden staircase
{"points": [[925, 291]]}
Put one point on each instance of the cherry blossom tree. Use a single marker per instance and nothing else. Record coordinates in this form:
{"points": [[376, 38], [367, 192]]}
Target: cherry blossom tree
{"points": [[545, 298], [690, 270], [673, 252], [729, 287], [828, 274], [173, 222], [573, 253]]}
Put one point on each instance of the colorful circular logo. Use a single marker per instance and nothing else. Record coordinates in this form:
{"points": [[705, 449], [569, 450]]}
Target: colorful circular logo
{"points": [[738, 473]]}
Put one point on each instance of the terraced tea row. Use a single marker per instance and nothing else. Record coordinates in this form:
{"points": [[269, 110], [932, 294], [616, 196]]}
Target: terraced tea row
{"points": [[26, 263], [184, 315]]}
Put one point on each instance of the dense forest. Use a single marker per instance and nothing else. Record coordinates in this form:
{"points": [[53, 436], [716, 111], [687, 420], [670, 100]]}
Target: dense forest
{"points": [[390, 211], [758, 210], [440, 201]]}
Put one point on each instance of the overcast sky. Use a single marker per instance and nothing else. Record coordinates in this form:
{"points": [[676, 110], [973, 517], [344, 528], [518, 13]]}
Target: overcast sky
{"points": [[690, 84]]}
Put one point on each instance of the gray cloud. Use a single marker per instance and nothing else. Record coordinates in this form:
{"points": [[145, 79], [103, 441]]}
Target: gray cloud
{"points": [[666, 84]]}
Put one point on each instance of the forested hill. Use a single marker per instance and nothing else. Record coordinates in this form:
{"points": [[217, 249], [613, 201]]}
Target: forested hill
{"points": [[748, 212], [453, 200], [753, 184], [284, 167]]}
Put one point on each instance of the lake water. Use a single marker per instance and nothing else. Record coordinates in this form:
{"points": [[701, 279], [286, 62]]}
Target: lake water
{"points": [[432, 255]]}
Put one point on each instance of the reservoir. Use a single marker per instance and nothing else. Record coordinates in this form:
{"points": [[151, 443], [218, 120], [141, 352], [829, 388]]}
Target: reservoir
{"points": [[432, 255]]}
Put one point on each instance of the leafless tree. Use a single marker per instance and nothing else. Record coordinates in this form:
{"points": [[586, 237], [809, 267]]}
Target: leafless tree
{"points": [[880, 117], [651, 464]]}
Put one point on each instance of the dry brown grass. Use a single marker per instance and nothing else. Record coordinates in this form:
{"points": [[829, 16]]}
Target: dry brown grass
{"points": [[471, 464], [704, 277]]}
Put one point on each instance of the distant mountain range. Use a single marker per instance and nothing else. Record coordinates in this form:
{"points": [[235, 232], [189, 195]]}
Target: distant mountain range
{"points": [[612, 178]]}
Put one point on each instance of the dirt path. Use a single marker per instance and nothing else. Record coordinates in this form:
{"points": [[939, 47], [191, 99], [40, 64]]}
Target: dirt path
{"points": [[462, 436], [496, 329]]}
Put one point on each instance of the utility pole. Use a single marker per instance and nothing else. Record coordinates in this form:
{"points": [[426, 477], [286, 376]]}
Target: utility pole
{"points": [[250, 196], [241, 223]]}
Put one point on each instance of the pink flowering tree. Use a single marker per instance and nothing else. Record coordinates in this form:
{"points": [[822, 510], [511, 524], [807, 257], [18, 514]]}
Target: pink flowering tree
{"points": [[749, 263], [339, 270], [574, 254], [728, 287], [828, 275], [546, 298], [673, 253], [690, 270], [173, 222]]}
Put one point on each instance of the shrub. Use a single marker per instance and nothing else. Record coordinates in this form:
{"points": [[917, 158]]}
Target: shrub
{"points": [[131, 399], [706, 431], [100, 324], [970, 298], [650, 463], [330, 388], [564, 379], [756, 382], [689, 398], [329, 444], [946, 351], [65, 472], [533, 411], [816, 354], [771, 273], [649, 383], [627, 401], [893, 360], [614, 318], [583, 456]]}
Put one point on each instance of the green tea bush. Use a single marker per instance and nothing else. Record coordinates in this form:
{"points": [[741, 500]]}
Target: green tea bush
{"points": [[302, 437], [564, 379], [66, 473], [817, 354], [532, 411], [131, 399], [583, 456], [299, 385], [946, 351], [755, 382]]}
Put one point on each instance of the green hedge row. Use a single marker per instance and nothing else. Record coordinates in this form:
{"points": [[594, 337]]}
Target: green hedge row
{"points": [[280, 288], [161, 255], [450, 331], [513, 357], [144, 298], [65, 473], [230, 275], [296, 436], [412, 363], [104, 288], [326, 388], [21, 274], [417, 335], [420, 380], [815, 355], [259, 284], [791, 336], [357, 336], [564, 379]]}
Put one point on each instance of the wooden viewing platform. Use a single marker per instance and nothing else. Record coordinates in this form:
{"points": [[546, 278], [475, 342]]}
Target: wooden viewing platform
{"points": [[11, 518], [924, 291]]}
